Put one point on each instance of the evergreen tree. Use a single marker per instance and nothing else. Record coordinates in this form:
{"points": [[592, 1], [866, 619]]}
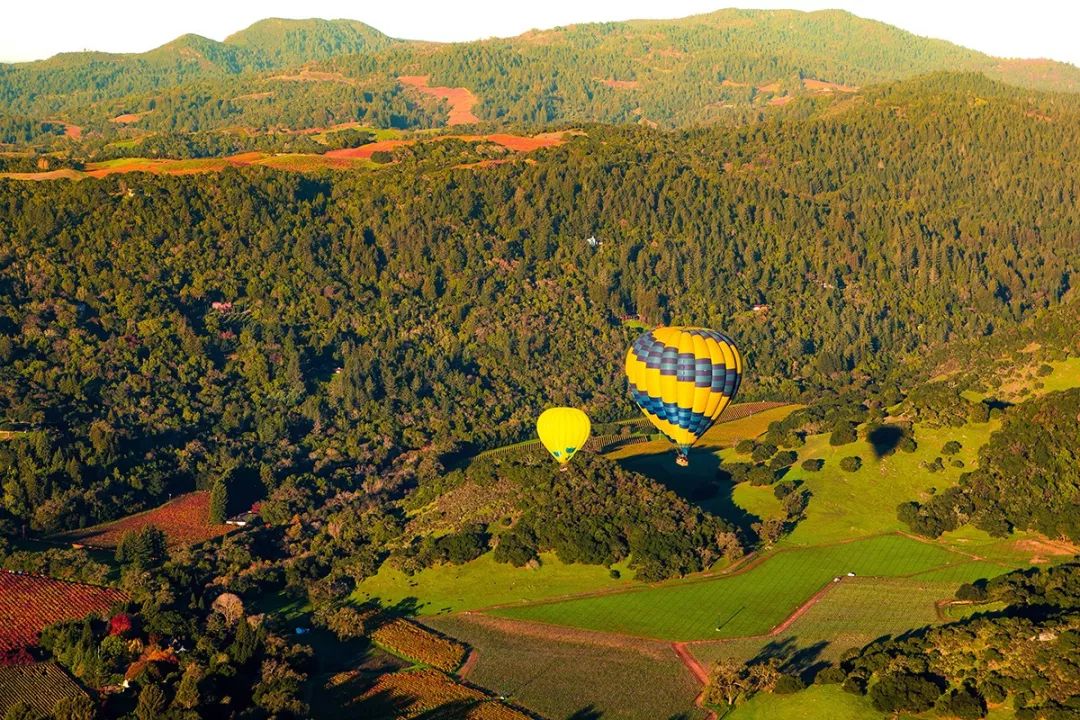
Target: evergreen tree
{"points": [[219, 500]]}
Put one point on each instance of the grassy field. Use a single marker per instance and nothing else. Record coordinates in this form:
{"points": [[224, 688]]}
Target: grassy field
{"points": [[849, 504], [815, 702], [827, 702], [484, 582], [853, 613], [558, 678], [747, 603]]}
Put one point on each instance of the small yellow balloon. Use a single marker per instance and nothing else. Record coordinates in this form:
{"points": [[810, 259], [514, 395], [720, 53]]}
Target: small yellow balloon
{"points": [[563, 431]]}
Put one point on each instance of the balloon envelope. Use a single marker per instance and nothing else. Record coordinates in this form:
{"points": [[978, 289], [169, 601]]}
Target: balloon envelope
{"points": [[682, 378], [563, 431]]}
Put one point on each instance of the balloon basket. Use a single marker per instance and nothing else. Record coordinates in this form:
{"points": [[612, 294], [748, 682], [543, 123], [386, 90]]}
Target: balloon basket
{"points": [[682, 461], [564, 468]]}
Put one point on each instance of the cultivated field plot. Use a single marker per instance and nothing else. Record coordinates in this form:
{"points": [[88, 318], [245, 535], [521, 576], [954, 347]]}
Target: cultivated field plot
{"points": [[427, 694], [30, 602], [40, 685], [184, 520], [747, 603], [561, 673], [420, 644], [483, 582], [851, 614]]}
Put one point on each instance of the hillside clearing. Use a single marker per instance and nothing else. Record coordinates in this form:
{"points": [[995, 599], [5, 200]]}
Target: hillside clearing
{"points": [[184, 520]]}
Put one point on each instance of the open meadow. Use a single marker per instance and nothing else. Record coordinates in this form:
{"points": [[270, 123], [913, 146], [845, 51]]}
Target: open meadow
{"points": [[752, 602]]}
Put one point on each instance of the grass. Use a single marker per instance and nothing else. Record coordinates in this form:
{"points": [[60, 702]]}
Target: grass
{"points": [[483, 582], [853, 613], [819, 701], [849, 504], [747, 603], [561, 679], [1066, 375]]}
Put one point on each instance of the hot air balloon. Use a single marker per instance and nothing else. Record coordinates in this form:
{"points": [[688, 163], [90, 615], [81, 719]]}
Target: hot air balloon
{"points": [[563, 431], [682, 378]]}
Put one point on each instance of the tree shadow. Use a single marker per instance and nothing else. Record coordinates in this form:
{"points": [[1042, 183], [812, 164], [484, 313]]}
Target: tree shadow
{"points": [[885, 438], [589, 712], [805, 662], [704, 483]]}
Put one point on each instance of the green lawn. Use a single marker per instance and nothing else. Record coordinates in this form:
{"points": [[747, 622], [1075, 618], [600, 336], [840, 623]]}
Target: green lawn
{"points": [[483, 582], [748, 603]]}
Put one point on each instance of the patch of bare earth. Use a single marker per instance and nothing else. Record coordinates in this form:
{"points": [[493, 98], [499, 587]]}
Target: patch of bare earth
{"points": [[827, 87], [72, 131], [461, 100], [129, 118], [622, 84], [1042, 549]]}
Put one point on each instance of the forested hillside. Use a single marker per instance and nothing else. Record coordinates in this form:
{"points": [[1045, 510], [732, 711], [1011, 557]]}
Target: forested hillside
{"points": [[727, 67], [362, 315]]}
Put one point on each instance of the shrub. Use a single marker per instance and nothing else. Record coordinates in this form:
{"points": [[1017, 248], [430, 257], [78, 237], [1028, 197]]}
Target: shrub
{"points": [[971, 591], [830, 676], [787, 684], [813, 464], [516, 547], [951, 448], [904, 691], [843, 434], [784, 458], [784, 488], [736, 472], [907, 444], [761, 475], [964, 703], [851, 463], [745, 447], [1044, 370], [763, 452]]}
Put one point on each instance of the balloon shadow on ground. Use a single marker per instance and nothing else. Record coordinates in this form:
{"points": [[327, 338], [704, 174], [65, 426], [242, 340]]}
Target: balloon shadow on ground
{"points": [[704, 483], [885, 438]]}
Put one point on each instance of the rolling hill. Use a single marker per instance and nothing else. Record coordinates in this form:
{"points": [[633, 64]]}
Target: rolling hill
{"points": [[700, 69]]}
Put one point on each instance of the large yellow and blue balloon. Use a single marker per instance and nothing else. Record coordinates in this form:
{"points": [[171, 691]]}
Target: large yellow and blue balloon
{"points": [[682, 378], [563, 431]]}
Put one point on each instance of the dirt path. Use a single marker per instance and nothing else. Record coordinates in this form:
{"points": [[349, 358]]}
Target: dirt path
{"points": [[801, 610], [698, 671], [691, 662], [470, 664]]}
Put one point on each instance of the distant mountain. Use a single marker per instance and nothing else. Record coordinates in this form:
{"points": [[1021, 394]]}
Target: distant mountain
{"points": [[281, 43], [725, 67], [267, 45]]}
